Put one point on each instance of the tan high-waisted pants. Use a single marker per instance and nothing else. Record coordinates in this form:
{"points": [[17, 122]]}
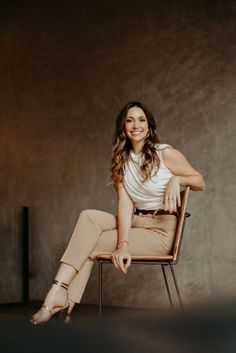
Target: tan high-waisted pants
{"points": [[95, 233]]}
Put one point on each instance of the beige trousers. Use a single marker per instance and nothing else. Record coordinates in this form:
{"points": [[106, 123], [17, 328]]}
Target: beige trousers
{"points": [[95, 232]]}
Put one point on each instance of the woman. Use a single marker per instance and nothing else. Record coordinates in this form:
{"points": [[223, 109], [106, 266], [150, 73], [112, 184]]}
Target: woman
{"points": [[147, 176]]}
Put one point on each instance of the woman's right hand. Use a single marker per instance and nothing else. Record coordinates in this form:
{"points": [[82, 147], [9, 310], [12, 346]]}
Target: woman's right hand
{"points": [[172, 194], [118, 256]]}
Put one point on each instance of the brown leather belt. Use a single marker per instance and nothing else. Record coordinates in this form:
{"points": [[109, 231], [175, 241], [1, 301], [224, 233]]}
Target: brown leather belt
{"points": [[156, 212]]}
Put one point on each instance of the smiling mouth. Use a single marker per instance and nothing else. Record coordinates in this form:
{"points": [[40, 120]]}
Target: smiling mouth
{"points": [[136, 132]]}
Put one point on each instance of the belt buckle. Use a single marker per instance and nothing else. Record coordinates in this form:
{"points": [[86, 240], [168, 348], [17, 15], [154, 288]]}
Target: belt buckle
{"points": [[137, 212]]}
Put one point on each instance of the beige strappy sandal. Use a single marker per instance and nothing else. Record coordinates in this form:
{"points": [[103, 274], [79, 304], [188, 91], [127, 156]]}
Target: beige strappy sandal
{"points": [[61, 309]]}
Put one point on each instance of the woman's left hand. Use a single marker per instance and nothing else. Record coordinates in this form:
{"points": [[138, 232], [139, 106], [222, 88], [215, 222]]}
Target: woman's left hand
{"points": [[172, 194], [118, 256]]}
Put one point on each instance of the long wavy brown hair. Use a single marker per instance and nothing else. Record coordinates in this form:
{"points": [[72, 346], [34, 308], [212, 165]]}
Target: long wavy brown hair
{"points": [[121, 147]]}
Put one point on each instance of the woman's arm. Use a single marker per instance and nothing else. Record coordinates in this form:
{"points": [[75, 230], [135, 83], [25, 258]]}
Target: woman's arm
{"points": [[124, 213], [179, 166], [184, 174]]}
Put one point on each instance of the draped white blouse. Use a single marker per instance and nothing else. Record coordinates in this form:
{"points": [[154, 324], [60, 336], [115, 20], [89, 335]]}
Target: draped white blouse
{"points": [[150, 194]]}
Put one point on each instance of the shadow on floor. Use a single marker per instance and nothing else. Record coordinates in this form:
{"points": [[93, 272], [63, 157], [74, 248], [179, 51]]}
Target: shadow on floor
{"points": [[210, 328]]}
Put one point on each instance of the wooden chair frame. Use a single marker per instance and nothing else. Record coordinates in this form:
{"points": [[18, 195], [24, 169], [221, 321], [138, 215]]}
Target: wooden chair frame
{"points": [[165, 260]]}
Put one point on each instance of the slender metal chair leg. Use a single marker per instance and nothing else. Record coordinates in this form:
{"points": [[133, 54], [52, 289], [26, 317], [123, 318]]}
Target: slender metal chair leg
{"points": [[176, 285], [167, 286], [100, 286]]}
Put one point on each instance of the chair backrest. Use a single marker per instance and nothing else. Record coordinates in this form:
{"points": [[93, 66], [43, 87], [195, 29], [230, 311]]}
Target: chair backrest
{"points": [[181, 223]]}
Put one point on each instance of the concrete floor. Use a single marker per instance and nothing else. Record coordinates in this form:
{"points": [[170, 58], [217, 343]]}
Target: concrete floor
{"points": [[200, 329]]}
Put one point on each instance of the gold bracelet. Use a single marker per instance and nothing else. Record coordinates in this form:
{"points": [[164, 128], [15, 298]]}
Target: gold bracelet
{"points": [[122, 241]]}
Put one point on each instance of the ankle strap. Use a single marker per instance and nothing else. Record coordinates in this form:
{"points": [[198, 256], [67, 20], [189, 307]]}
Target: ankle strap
{"points": [[47, 308], [59, 283]]}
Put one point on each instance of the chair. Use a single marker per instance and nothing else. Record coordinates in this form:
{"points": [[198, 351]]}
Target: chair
{"points": [[165, 260]]}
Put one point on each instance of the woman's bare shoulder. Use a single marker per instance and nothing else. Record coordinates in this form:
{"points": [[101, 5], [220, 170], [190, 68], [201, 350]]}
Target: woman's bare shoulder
{"points": [[176, 161], [172, 153], [163, 146]]}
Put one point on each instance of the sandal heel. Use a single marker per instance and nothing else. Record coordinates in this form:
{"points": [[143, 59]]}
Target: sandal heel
{"points": [[61, 315]]}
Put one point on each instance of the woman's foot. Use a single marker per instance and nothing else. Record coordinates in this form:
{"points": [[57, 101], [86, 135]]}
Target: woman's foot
{"points": [[55, 301]]}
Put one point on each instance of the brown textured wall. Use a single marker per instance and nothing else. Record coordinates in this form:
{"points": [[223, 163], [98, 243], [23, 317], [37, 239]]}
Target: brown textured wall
{"points": [[66, 69]]}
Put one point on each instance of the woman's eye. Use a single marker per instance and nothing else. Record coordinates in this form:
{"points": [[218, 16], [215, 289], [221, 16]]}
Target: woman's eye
{"points": [[129, 121]]}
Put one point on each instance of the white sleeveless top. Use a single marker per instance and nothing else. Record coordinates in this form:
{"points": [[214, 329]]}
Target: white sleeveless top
{"points": [[150, 194]]}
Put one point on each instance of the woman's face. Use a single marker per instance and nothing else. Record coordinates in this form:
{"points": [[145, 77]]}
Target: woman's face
{"points": [[136, 125]]}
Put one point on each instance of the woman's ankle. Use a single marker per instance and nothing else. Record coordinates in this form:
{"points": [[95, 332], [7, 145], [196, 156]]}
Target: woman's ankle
{"points": [[55, 293], [56, 287]]}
